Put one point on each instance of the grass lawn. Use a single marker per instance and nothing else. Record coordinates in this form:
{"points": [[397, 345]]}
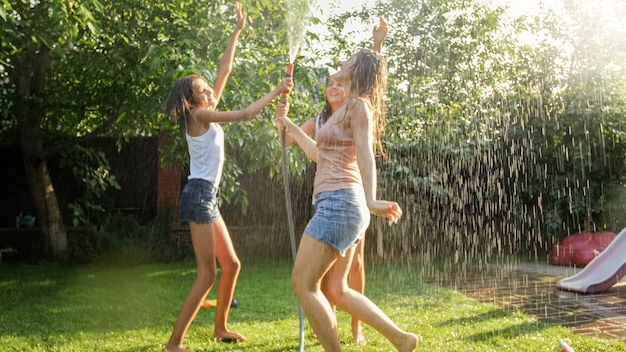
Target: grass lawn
{"points": [[111, 308]]}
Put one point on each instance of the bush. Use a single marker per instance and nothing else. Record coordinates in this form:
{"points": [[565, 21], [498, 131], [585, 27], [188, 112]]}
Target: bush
{"points": [[125, 241]]}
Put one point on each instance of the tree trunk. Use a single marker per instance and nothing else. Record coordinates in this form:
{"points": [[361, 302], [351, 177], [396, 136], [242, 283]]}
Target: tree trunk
{"points": [[53, 230], [29, 78]]}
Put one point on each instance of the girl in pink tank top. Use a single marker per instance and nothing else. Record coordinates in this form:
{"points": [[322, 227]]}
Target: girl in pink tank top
{"points": [[345, 148]]}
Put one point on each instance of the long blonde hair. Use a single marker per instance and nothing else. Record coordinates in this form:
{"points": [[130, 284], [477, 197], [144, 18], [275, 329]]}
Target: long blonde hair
{"points": [[369, 82]]}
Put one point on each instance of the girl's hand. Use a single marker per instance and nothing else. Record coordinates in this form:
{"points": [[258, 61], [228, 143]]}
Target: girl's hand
{"points": [[283, 122], [387, 209], [241, 16], [285, 86], [380, 31], [281, 113]]}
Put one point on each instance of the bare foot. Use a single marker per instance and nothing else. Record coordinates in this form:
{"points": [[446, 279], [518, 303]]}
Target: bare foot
{"points": [[228, 336], [175, 348], [407, 344], [357, 336]]}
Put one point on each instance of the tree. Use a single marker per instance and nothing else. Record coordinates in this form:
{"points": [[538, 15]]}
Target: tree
{"points": [[496, 142], [446, 61], [577, 104], [35, 36], [72, 71]]}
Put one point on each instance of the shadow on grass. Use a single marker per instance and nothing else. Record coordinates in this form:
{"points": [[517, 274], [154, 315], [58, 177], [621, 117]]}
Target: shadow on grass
{"points": [[497, 322], [134, 309], [51, 300]]}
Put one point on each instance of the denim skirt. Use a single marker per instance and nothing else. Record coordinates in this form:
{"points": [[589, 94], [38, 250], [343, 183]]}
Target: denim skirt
{"points": [[199, 202], [341, 218]]}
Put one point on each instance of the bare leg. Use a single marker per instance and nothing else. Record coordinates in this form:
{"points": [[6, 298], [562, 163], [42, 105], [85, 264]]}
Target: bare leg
{"points": [[323, 287], [361, 308], [313, 260], [230, 265], [356, 281], [202, 237], [332, 272]]}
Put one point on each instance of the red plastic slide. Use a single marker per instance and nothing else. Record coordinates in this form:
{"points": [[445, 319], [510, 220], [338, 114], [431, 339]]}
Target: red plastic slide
{"points": [[604, 271]]}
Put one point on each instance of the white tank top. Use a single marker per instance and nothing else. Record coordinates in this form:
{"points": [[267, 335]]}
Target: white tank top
{"points": [[206, 154]]}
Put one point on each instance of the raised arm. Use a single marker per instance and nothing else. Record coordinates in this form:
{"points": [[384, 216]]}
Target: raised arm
{"points": [[206, 116], [226, 63], [379, 34], [295, 132]]}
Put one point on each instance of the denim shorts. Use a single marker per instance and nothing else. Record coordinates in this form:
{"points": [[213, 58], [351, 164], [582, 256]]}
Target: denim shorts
{"points": [[199, 202], [341, 218]]}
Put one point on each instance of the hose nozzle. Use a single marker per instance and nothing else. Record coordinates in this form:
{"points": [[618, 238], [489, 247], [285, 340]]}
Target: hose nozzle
{"points": [[288, 74]]}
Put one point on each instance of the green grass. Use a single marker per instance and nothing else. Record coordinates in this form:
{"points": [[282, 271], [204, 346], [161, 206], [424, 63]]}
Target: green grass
{"points": [[108, 308]]}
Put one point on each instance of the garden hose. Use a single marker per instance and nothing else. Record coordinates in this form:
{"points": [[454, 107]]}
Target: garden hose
{"points": [[292, 234]]}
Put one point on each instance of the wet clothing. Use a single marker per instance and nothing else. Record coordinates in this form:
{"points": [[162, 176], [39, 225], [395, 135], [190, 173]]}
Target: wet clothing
{"points": [[199, 199], [341, 214], [336, 158], [341, 218], [206, 154], [199, 202]]}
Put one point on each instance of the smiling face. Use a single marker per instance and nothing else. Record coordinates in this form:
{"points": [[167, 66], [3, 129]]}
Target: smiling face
{"points": [[203, 94], [335, 94]]}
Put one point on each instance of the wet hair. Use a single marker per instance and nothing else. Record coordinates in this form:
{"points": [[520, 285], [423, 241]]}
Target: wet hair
{"points": [[180, 101], [369, 81], [326, 112]]}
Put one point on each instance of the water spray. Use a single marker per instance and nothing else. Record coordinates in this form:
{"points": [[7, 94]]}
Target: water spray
{"points": [[292, 234], [297, 15]]}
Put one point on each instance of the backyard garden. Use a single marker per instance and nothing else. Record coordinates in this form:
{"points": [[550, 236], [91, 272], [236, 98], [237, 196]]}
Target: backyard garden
{"points": [[505, 133]]}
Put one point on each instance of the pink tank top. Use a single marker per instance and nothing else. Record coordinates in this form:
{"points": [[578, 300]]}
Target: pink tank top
{"points": [[336, 158]]}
